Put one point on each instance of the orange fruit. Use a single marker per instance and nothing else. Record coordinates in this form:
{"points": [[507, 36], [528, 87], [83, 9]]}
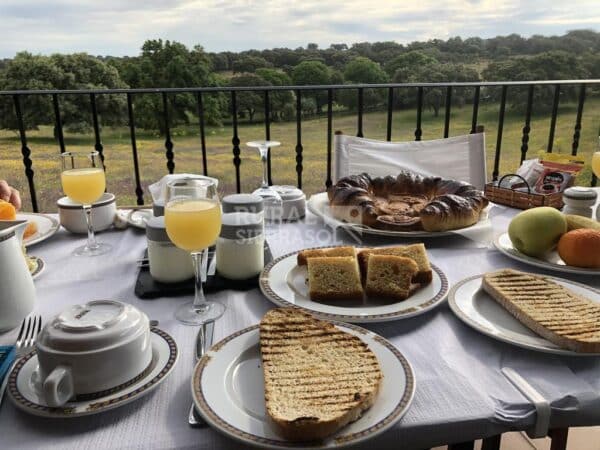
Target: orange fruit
{"points": [[30, 230], [580, 248], [7, 211]]}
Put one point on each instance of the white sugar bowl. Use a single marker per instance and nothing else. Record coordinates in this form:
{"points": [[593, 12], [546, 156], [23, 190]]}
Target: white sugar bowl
{"points": [[293, 205], [91, 348]]}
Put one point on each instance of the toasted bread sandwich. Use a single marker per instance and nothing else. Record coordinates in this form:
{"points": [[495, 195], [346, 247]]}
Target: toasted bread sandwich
{"points": [[547, 308], [317, 377]]}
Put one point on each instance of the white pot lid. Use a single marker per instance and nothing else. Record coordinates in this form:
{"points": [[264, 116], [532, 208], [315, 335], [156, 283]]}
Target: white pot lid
{"points": [[96, 325], [288, 193]]}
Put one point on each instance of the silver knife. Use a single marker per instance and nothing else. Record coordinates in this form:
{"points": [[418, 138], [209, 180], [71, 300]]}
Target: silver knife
{"points": [[203, 342]]}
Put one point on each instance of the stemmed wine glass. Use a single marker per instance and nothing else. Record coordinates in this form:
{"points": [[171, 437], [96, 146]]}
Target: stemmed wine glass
{"points": [[83, 181], [272, 199], [193, 223]]}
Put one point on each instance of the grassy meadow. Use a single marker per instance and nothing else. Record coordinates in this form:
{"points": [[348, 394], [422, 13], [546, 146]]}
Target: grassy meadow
{"points": [[188, 156]]}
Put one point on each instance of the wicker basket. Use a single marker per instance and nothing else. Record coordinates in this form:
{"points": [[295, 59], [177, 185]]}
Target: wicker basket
{"points": [[518, 199]]}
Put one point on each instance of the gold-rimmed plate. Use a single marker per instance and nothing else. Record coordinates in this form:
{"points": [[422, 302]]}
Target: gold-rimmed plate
{"points": [[24, 390], [284, 283], [228, 391], [47, 226]]}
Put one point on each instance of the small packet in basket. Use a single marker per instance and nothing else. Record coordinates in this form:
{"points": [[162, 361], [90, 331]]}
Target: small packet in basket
{"points": [[530, 171], [556, 177]]}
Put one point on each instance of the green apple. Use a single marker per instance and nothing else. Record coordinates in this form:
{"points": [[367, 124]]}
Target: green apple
{"points": [[536, 231]]}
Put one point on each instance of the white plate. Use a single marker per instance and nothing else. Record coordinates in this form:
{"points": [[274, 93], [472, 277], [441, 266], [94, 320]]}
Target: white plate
{"points": [[550, 260], [479, 310], [228, 390], [39, 267], [318, 204], [136, 217], [23, 390], [47, 227], [284, 283]]}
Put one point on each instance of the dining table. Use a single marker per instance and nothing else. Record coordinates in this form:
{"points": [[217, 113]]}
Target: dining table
{"points": [[461, 393]]}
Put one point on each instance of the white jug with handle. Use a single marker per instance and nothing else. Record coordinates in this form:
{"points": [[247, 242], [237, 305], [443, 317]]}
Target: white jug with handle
{"points": [[17, 293]]}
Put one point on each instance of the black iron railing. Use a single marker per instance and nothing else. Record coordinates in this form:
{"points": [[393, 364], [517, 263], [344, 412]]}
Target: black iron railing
{"points": [[298, 90]]}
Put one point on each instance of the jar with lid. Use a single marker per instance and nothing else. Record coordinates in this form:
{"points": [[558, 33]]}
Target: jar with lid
{"points": [[168, 263], [293, 206], [579, 201], [246, 203], [240, 246]]}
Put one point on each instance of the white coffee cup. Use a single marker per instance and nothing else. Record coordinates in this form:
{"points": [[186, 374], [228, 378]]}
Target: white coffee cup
{"points": [[72, 217], [92, 348]]}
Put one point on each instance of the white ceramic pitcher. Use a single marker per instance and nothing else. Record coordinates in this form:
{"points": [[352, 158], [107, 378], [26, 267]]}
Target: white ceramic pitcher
{"points": [[17, 293]]}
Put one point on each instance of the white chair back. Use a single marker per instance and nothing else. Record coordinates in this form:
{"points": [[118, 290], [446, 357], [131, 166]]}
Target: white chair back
{"points": [[461, 158]]}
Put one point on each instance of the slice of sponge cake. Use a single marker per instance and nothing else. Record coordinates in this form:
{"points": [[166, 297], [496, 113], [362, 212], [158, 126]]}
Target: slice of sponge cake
{"points": [[390, 276], [332, 251], [416, 252], [334, 278]]}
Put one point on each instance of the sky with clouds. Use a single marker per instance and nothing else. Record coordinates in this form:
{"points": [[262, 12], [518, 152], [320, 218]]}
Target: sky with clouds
{"points": [[119, 27]]}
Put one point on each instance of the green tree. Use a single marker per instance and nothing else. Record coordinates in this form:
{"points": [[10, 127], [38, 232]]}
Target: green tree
{"points": [[76, 71], [408, 61], [278, 99], [554, 65], [164, 64], [219, 61], [312, 73], [247, 63], [248, 102], [363, 70], [434, 97]]}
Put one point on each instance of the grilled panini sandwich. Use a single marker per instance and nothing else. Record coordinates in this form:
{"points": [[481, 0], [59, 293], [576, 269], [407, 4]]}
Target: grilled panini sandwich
{"points": [[317, 377], [547, 308]]}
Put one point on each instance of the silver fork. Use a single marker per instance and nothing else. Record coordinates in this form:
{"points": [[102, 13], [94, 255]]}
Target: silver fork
{"points": [[30, 328]]}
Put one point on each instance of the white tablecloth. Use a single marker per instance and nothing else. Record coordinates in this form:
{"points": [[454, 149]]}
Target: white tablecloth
{"points": [[460, 395]]}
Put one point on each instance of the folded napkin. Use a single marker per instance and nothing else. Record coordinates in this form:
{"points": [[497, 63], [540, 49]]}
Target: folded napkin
{"points": [[7, 356], [158, 189]]}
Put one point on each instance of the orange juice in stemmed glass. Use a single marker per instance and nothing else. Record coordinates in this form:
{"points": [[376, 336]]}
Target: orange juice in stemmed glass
{"points": [[83, 181], [193, 223]]}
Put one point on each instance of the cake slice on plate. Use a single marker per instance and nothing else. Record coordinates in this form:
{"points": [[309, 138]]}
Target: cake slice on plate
{"points": [[389, 276], [334, 278], [322, 252], [417, 252]]}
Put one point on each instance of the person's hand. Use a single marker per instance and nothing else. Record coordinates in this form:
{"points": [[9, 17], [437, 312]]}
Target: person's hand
{"points": [[10, 194]]}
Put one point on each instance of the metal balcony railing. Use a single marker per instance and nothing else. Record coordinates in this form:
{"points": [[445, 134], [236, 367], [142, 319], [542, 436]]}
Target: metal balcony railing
{"points": [[299, 91]]}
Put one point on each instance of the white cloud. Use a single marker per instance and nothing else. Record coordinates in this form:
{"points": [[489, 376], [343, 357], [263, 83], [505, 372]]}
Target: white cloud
{"points": [[119, 27]]}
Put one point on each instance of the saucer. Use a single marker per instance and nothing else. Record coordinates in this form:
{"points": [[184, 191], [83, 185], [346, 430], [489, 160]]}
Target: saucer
{"points": [[23, 390]]}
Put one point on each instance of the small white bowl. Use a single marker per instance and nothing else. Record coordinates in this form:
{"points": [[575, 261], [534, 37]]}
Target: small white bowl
{"points": [[72, 216], [91, 348]]}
